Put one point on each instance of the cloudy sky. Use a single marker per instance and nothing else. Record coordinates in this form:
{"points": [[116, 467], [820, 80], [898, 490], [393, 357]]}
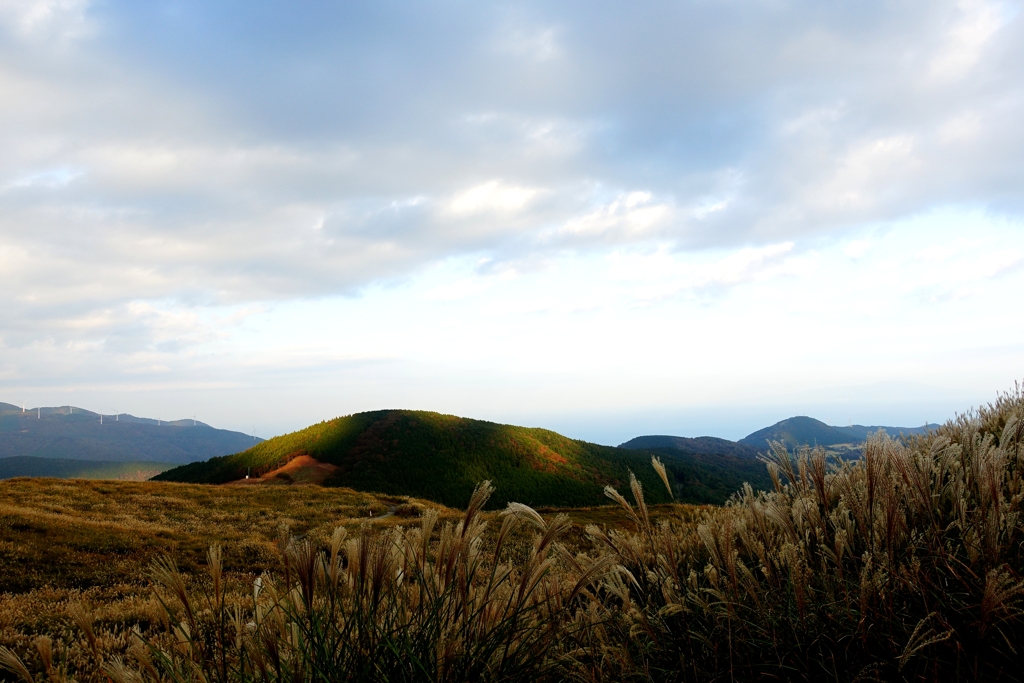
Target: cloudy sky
{"points": [[602, 218]]}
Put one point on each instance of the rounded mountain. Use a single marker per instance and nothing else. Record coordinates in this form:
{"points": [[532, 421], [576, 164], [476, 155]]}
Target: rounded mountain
{"points": [[441, 458]]}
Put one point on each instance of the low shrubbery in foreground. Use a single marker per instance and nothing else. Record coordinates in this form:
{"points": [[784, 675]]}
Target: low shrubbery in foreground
{"points": [[903, 565]]}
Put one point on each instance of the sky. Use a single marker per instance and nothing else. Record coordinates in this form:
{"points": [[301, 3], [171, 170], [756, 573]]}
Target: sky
{"points": [[607, 219]]}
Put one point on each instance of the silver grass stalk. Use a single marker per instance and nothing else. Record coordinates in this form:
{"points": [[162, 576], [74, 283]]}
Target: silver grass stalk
{"points": [[659, 467]]}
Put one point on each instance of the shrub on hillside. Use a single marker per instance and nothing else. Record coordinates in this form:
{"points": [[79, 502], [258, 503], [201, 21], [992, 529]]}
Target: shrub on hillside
{"points": [[409, 510]]}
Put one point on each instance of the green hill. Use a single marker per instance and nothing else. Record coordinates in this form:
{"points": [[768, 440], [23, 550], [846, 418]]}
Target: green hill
{"points": [[860, 432], [706, 469], [71, 433], [441, 458], [703, 445], [806, 431], [799, 431]]}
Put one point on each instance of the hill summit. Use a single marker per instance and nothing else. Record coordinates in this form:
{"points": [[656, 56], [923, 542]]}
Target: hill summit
{"points": [[442, 458], [798, 431], [806, 431]]}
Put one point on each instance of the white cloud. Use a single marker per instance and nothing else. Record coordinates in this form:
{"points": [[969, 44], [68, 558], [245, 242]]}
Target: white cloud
{"points": [[530, 137], [866, 173], [537, 43], [709, 154], [975, 24], [856, 249], [961, 127], [48, 178], [460, 289], [710, 206], [492, 196], [815, 120], [631, 215], [663, 274], [39, 18]]}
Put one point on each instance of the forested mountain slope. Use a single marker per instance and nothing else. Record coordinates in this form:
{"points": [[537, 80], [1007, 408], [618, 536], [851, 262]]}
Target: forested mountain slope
{"points": [[442, 458]]}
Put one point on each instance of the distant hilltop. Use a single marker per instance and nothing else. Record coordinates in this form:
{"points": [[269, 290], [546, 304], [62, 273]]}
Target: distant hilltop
{"points": [[792, 432], [73, 433], [806, 431]]}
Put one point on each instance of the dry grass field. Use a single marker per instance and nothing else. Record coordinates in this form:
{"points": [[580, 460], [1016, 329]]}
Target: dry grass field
{"points": [[65, 542], [70, 534], [907, 564], [83, 534]]}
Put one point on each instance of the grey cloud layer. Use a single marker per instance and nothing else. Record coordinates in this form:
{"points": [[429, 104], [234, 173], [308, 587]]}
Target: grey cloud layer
{"points": [[219, 153]]}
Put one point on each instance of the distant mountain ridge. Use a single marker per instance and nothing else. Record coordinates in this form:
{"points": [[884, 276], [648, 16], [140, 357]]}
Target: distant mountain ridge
{"points": [[861, 432], [705, 445], [730, 459], [807, 431], [7, 408], [73, 433]]}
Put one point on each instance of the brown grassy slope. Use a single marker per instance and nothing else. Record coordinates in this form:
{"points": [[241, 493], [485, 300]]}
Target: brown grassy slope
{"points": [[79, 533], [301, 470], [64, 542], [67, 542]]}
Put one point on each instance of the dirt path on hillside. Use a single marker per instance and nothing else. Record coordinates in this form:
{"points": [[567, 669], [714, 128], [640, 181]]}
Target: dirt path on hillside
{"points": [[301, 470]]}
